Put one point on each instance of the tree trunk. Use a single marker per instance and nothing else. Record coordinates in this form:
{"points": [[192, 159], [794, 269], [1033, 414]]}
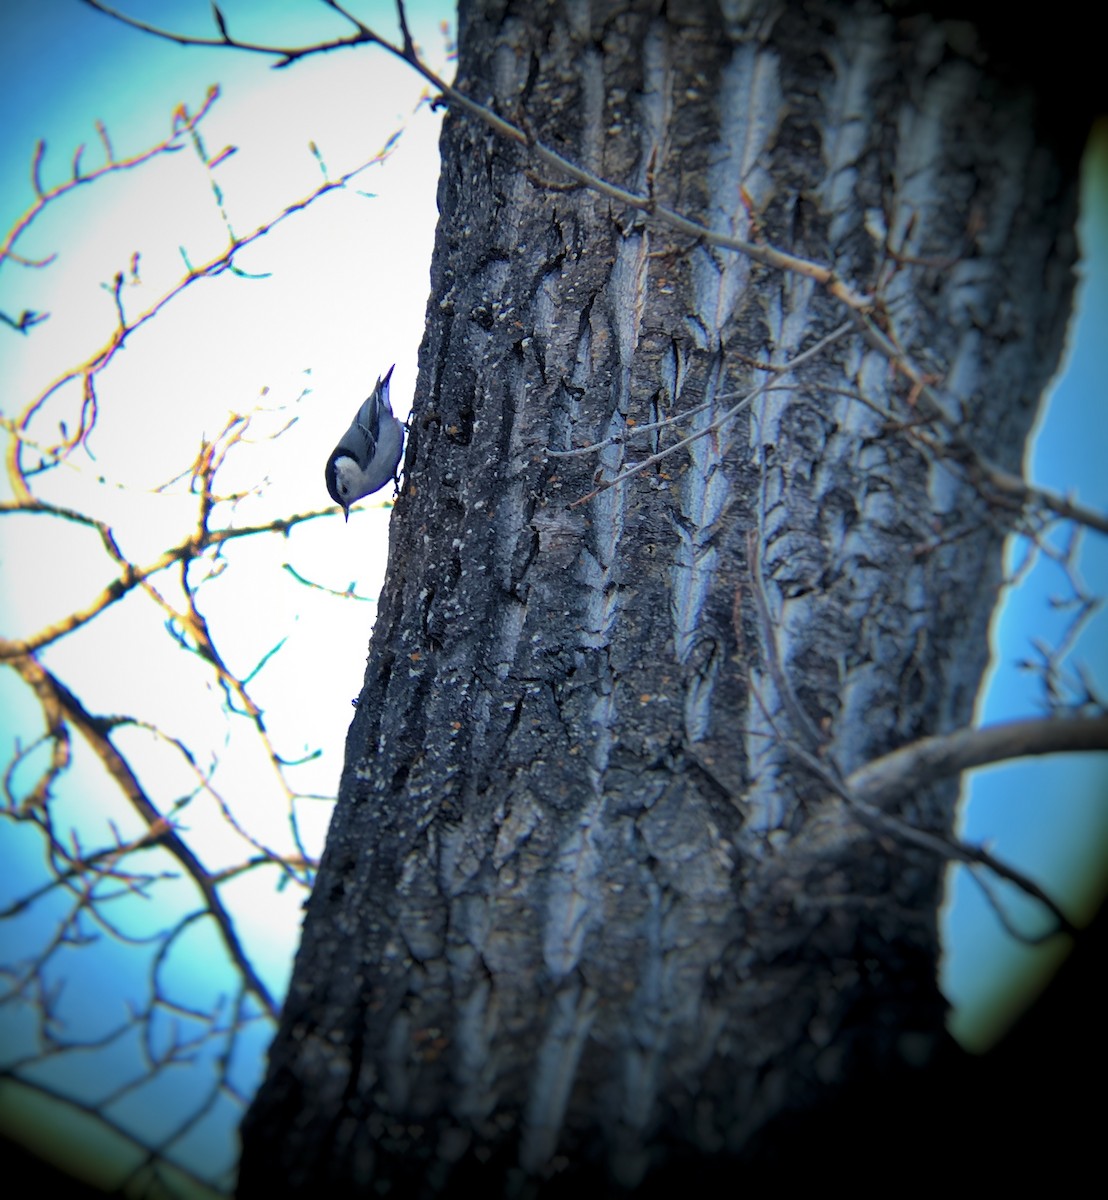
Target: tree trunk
{"points": [[591, 905]]}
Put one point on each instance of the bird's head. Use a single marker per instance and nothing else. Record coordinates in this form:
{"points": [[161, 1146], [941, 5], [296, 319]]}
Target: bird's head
{"points": [[342, 476]]}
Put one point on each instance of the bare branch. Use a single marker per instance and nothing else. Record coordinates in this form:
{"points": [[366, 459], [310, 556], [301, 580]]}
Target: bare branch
{"points": [[45, 196], [132, 576], [93, 730], [284, 54], [994, 902], [719, 422], [870, 791], [1004, 483], [101, 358], [925, 761], [348, 594]]}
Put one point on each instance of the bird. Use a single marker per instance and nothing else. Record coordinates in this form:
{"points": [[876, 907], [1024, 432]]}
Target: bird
{"points": [[369, 452]]}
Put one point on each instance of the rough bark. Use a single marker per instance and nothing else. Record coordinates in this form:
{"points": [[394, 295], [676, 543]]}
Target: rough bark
{"points": [[588, 905]]}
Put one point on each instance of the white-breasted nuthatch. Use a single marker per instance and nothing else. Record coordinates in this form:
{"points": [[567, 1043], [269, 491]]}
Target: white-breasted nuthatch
{"points": [[368, 453]]}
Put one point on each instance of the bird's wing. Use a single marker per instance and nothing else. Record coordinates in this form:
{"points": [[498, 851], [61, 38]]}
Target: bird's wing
{"points": [[360, 440]]}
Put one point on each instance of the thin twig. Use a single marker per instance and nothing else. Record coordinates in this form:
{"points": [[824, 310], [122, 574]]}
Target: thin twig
{"points": [[719, 422]]}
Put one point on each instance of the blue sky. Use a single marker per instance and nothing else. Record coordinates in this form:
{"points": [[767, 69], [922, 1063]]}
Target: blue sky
{"points": [[344, 296], [1049, 816], [339, 294]]}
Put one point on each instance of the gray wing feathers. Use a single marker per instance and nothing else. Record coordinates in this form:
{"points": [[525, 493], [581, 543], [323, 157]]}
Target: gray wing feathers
{"points": [[360, 440]]}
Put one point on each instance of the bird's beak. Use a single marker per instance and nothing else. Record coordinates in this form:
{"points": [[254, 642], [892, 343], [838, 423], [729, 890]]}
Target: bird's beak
{"points": [[345, 513]]}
